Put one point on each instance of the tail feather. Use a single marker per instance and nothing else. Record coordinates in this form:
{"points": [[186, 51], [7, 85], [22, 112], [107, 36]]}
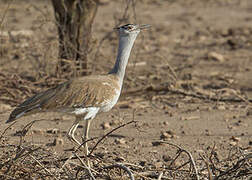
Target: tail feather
{"points": [[19, 112], [28, 106], [41, 101]]}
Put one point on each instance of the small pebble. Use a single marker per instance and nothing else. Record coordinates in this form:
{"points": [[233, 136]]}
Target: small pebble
{"points": [[156, 143], [120, 141], [37, 131], [165, 123], [124, 106], [105, 125], [207, 132], [216, 57], [58, 141], [236, 139], [233, 143], [249, 112], [167, 158], [168, 135], [119, 159], [165, 135], [221, 107], [53, 131], [142, 163]]}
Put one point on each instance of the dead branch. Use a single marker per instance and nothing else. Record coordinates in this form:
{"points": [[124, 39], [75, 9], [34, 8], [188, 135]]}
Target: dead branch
{"points": [[86, 167], [110, 132], [5, 13], [40, 164], [26, 128], [121, 166], [160, 176], [210, 176], [234, 92], [237, 165], [6, 129], [171, 69], [74, 153], [189, 155], [19, 155]]}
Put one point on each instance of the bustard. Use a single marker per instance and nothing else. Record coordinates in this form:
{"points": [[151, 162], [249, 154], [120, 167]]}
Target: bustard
{"points": [[86, 96]]}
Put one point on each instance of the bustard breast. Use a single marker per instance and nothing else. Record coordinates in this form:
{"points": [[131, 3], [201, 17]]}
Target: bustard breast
{"points": [[109, 103], [102, 92]]}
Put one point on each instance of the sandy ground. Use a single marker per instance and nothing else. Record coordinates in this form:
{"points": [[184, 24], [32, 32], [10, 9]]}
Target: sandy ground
{"points": [[206, 44]]}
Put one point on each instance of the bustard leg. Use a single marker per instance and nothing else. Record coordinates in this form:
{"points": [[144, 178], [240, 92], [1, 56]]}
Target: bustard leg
{"points": [[88, 118], [85, 135], [85, 138], [72, 130]]}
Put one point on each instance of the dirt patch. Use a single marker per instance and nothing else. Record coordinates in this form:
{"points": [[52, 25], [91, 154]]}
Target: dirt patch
{"points": [[188, 82]]}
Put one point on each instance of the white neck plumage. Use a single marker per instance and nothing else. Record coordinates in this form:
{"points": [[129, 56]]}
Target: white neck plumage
{"points": [[126, 43]]}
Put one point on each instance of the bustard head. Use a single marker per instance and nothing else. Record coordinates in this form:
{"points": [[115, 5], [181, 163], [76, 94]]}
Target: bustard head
{"points": [[130, 29]]}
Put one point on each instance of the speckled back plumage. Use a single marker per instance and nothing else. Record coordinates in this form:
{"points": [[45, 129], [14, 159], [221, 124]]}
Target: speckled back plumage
{"points": [[83, 92]]}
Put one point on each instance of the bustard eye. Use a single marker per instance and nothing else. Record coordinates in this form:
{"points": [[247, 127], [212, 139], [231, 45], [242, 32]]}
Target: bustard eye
{"points": [[127, 27], [130, 27]]}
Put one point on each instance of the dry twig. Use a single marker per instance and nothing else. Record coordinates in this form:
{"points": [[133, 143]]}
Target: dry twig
{"points": [[189, 155], [160, 176], [7, 129], [40, 164], [236, 166], [86, 167], [5, 13], [210, 176], [121, 166], [110, 132]]}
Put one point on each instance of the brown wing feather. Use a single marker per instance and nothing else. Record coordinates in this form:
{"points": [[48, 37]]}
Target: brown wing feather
{"points": [[33, 104], [81, 92]]}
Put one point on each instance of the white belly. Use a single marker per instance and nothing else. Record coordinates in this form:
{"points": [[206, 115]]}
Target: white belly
{"points": [[89, 112]]}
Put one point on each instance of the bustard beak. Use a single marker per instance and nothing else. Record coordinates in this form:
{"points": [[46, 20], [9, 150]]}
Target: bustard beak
{"points": [[144, 26]]}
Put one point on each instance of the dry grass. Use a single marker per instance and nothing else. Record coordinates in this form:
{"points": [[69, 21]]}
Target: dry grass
{"points": [[24, 161]]}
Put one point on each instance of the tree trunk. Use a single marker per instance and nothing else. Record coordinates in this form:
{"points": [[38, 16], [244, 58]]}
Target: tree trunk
{"points": [[74, 20]]}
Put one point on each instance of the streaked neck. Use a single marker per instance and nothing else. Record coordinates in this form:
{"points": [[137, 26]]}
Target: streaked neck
{"points": [[124, 49]]}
